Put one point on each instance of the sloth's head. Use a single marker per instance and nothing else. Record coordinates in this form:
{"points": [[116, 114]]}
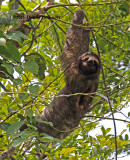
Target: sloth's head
{"points": [[89, 63]]}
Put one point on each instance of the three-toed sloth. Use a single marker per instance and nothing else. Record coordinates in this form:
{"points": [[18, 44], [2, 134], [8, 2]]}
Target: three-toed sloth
{"points": [[82, 70]]}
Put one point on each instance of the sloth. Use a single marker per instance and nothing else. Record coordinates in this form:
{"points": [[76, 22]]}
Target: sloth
{"points": [[74, 99], [82, 70]]}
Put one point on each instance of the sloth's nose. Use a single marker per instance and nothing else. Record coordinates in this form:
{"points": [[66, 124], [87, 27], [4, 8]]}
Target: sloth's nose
{"points": [[90, 62]]}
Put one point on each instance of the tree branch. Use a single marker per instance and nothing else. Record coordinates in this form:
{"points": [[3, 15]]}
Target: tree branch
{"points": [[29, 15], [77, 25], [89, 4]]}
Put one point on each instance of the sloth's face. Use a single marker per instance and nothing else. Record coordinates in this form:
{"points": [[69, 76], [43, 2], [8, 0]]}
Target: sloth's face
{"points": [[89, 63]]}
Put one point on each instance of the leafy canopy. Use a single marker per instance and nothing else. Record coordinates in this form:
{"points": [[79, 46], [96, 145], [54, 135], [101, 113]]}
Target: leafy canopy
{"points": [[30, 77]]}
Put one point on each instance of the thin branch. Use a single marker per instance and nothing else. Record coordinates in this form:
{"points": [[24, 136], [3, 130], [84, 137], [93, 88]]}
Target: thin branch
{"points": [[108, 118], [43, 155], [21, 4], [83, 128], [4, 88], [28, 48], [39, 23], [60, 28], [89, 4], [123, 114], [81, 26], [33, 37]]}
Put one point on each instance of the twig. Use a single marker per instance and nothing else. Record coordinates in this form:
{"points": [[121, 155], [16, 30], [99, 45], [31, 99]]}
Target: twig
{"points": [[28, 48], [60, 28], [21, 4], [4, 88], [107, 118], [83, 128], [43, 155]]}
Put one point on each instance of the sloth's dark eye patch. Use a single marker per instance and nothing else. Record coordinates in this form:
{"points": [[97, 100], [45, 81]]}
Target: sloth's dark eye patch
{"points": [[86, 59]]}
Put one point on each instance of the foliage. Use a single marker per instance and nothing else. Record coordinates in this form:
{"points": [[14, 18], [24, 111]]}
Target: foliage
{"points": [[30, 77]]}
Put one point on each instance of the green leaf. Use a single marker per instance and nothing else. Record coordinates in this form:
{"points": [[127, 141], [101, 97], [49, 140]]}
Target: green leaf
{"points": [[21, 117], [2, 41], [9, 67], [108, 130], [120, 137], [103, 130], [126, 137], [13, 51], [41, 63], [15, 36], [31, 126], [18, 141], [29, 113], [67, 151], [5, 54], [17, 82], [41, 121], [4, 126], [12, 11], [48, 138], [123, 131], [23, 96], [31, 66], [19, 69], [14, 127], [23, 134], [20, 34], [34, 89]]}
